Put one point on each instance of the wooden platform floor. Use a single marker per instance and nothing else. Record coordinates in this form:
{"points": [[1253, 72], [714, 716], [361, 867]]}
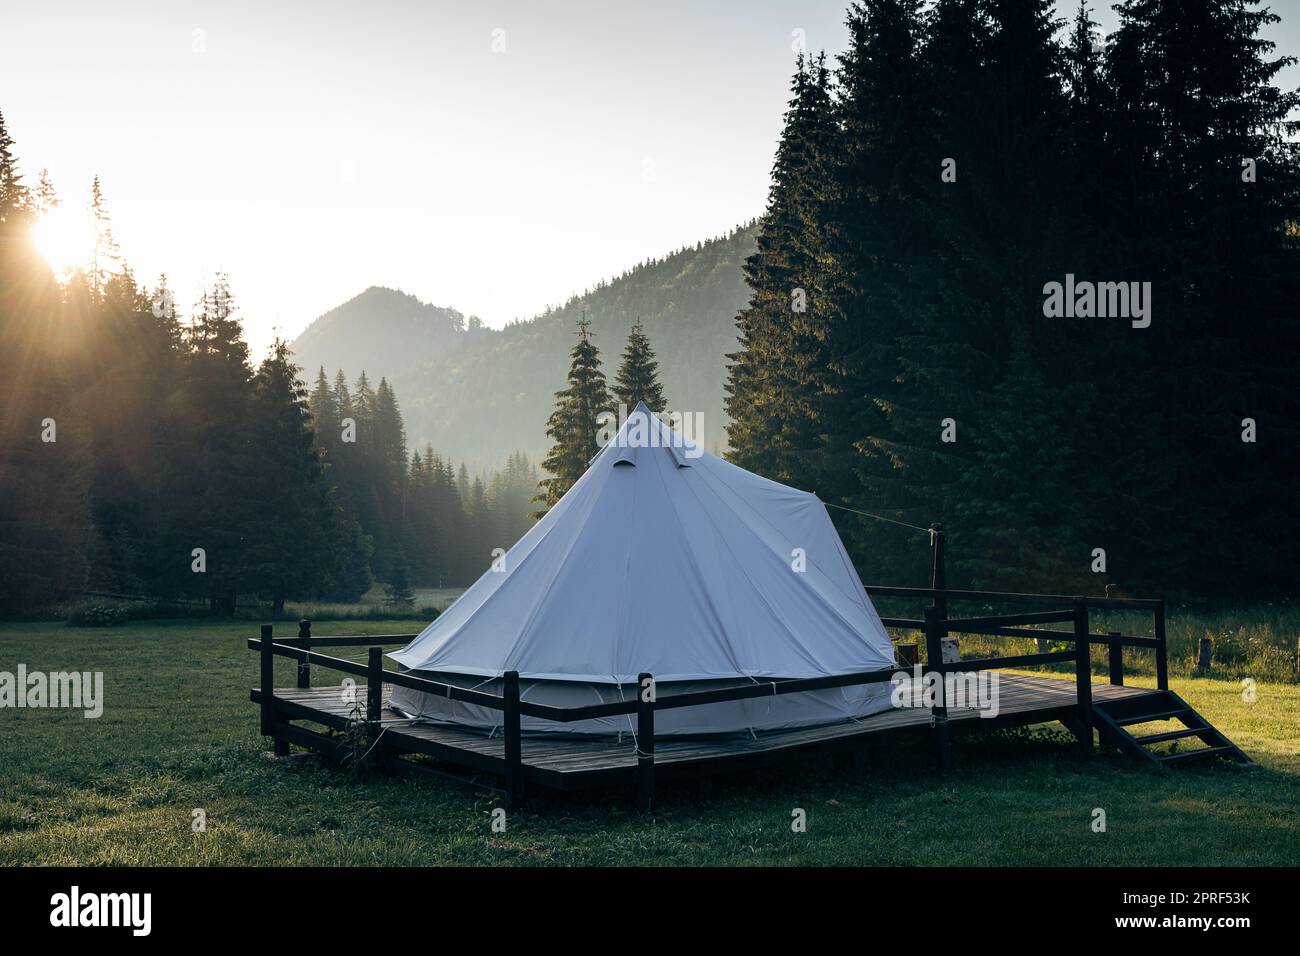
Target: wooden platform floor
{"points": [[564, 763]]}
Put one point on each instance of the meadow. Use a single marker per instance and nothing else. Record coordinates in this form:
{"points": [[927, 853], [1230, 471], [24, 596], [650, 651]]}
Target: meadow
{"points": [[178, 734]]}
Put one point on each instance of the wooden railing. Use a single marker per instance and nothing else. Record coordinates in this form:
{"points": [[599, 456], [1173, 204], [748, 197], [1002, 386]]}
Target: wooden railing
{"points": [[934, 625], [1021, 625]]}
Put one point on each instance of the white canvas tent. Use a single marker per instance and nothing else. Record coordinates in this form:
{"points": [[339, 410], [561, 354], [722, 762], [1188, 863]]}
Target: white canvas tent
{"points": [[663, 559]]}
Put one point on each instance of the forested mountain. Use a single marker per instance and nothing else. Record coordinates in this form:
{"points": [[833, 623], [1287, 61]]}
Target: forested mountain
{"points": [[382, 331], [478, 393]]}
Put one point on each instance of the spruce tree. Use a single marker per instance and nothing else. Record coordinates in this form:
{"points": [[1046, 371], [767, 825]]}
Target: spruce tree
{"points": [[638, 375], [324, 411], [775, 405], [398, 591], [872, 411], [288, 545], [13, 195], [209, 461], [45, 197], [574, 425], [106, 256], [386, 464], [342, 395]]}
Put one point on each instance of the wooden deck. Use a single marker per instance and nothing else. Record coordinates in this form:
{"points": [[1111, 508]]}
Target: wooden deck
{"points": [[565, 763]]}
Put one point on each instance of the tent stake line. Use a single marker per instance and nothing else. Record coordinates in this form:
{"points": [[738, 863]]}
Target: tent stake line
{"points": [[569, 763]]}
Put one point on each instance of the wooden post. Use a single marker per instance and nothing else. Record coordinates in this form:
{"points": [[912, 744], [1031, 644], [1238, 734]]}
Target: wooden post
{"points": [[304, 666], [908, 654], [1162, 650], [934, 631], [514, 740], [1083, 674], [645, 743], [1115, 651], [938, 575], [1206, 655], [375, 689], [268, 682]]}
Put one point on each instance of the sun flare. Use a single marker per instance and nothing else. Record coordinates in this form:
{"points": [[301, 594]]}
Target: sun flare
{"points": [[64, 237]]}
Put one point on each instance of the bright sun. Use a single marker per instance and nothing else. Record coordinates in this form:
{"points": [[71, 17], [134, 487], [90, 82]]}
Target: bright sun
{"points": [[65, 237]]}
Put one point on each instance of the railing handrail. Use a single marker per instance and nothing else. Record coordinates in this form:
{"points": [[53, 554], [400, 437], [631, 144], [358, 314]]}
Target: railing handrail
{"points": [[761, 688], [348, 640], [1136, 604], [452, 691]]}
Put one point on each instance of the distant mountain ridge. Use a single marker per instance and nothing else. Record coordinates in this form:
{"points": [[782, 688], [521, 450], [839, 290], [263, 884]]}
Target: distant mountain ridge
{"points": [[476, 394], [380, 328]]}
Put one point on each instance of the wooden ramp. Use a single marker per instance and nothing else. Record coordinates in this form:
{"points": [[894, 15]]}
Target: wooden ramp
{"points": [[576, 763]]}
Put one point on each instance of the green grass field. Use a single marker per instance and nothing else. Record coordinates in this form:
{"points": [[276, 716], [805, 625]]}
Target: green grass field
{"points": [[178, 733]]}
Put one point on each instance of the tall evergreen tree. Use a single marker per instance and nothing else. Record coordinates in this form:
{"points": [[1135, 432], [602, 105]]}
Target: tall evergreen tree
{"points": [[324, 411], [13, 195], [209, 462], [386, 465], [398, 592], [290, 553], [775, 404], [574, 425], [638, 375], [105, 255], [878, 374]]}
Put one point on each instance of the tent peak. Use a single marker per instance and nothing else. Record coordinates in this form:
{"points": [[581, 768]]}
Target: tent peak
{"points": [[642, 428]]}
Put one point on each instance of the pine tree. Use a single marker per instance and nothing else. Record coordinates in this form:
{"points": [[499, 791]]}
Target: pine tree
{"points": [[324, 411], [105, 257], [288, 548], [872, 414], [462, 482], [638, 375], [363, 401], [13, 195], [398, 591], [418, 529], [208, 464], [574, 425], [386, 465], [342, 395], [773, 401], [46, 197], [344, 459], [480, 524]]}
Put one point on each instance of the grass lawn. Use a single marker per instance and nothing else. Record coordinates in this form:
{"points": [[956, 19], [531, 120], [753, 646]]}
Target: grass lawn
{"points": [[178, 733]]}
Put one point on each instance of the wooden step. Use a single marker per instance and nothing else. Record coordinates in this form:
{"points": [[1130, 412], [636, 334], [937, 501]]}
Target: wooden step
{"points": [[1158, 715], [1174, 735], [1194, 754]]}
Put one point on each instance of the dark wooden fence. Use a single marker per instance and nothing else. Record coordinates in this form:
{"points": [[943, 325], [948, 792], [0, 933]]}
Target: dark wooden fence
{"points": [[934, 625]]}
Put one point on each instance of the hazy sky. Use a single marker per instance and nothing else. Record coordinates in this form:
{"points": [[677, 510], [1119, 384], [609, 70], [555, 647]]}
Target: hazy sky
{"points": [[491, 156]]}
